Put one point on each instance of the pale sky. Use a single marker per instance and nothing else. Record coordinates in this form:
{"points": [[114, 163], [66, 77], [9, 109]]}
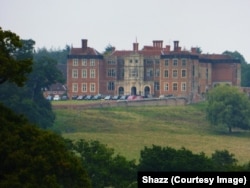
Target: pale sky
{"points": [[213, 25]]}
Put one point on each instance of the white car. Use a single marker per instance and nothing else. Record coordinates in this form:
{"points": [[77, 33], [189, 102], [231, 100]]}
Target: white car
{"points": [[57, 98]]}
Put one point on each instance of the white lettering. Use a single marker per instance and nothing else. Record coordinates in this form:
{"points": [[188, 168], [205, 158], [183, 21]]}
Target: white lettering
{"points": [[149, 179], [178, 179]]}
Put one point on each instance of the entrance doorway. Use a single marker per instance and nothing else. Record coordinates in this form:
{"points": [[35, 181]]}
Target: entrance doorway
{"points": [[146, 91], [133, 90]]}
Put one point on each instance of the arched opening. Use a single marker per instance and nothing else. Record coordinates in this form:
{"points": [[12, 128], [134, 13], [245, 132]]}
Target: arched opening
{"points": [[121, 91], [146, 91], [133, 90]]}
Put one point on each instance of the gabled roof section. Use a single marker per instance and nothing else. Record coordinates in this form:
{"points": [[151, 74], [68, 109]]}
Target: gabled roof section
{"points": [[84, 51]]}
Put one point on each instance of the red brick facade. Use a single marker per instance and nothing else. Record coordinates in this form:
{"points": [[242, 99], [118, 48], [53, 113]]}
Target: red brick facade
{"points": [[154, 70]]}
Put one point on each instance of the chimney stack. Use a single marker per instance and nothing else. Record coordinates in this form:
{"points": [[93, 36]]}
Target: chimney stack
{"points": [[135, 47], [157, 43], [176, 45], [84, 43]]}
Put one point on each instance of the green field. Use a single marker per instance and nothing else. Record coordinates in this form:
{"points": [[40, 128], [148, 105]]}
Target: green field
{"points": [[129, 129]]}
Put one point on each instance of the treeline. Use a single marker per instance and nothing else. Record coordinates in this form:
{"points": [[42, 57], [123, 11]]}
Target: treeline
{"points": [[33, 157]]}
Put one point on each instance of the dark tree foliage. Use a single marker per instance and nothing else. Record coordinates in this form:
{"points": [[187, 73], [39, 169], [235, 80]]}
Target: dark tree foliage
{"points": [[31, 157], [224, 161], [169, 159], [104, 168], [159, 158], [15, 58], [28, 99]]}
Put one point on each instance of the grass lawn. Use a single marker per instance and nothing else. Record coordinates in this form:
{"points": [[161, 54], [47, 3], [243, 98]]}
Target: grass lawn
{"points": [[129, 129]]}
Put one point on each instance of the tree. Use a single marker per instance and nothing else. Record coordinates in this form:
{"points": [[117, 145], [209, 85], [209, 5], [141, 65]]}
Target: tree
{"points": [[28, 99], [223, 160], [32, 157], [105, 168], [14, 66], [159, 158], [229, 107]]}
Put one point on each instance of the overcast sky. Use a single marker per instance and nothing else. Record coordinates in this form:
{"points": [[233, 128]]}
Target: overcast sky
{"points": [[213, 25]]}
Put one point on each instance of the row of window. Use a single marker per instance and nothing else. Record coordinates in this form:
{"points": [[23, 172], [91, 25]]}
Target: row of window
{"points": [[132, 73], [175, 86], [84, 73], [92, 87], [175, 62], [84, 62]]}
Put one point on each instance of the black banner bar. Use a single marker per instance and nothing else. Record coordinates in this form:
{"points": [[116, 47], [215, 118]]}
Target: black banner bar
{"points": [[193, 179]]}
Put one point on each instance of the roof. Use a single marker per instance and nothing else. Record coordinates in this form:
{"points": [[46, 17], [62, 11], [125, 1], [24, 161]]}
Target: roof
{"points": [[83, 51]]}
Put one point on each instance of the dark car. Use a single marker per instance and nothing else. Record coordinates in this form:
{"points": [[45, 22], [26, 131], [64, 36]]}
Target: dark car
{"points": [[74, 97], [97, 97], [116, 97], [80, 97], [88, 97], [124, 97], [64, 97]]}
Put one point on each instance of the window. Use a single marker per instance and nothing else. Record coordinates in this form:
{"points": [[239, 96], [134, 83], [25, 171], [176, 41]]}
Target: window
{"points": [[157, 86], [84, 73], [74, 73], [175, 73], [133, 72], [206, 73], [166, 62], [183, 86], [166, 73], [75, 62], [166, 86], [111, 73], [111, 86], [131, 61], [136, 61], [175, 86], [92, 87], [84, 87], [149, 72], [183, 73], [157, 72], [175, 62], [84, 62], [74, 87], [111, 62], [183, 62], [92, 73], [157, 61], [92, 62]]}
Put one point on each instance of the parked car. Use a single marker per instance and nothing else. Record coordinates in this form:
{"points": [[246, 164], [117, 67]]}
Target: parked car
{"points": [[97, 97], [49, 97], [88, 97], [80, 97], [108, 97], [116, 97], [135, 97], [74, 97], [124, 97], [57, 98], [64, 97]]}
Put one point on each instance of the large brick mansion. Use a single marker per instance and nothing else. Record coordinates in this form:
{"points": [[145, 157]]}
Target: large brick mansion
{"points": [[153, 70]]}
